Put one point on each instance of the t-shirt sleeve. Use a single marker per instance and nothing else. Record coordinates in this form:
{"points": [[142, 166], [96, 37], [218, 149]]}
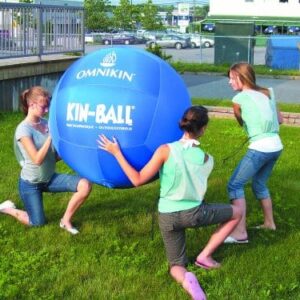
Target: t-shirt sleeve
{"points": [[22, 130], [237, 99]]}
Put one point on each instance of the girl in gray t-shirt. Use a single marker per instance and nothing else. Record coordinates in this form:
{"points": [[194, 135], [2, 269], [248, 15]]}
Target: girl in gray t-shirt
{"points": [[37, 157]]}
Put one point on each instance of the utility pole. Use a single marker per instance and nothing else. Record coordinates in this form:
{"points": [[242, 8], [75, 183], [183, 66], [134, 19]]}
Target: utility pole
{"points": [[194, 15]]}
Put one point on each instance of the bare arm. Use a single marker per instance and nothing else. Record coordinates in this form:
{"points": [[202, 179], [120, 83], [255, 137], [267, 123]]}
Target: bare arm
{"points": [[237, 113], [279, 116], [149, 170], [37, 156]]}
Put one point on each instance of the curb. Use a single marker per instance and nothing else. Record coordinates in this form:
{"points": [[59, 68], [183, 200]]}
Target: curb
{"points": [[287, 77], [291, 119]]}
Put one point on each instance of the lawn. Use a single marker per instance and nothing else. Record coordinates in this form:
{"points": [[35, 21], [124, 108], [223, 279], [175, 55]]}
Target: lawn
{"points": [[115, 257]]}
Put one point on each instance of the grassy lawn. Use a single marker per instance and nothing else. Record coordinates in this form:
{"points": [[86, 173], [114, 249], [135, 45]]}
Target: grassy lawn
{"points": [[114, 256]]}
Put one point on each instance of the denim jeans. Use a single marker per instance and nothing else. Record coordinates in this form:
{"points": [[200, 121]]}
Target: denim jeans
{"points": [[256, 165], [32, 194]]}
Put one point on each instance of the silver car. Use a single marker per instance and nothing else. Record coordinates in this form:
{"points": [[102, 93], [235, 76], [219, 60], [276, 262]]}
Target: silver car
{"points": [[169, 41], [198, 40]]}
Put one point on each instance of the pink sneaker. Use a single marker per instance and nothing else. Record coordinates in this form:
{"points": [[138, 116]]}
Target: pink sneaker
{"points": [[7, 204], [192, 286]]}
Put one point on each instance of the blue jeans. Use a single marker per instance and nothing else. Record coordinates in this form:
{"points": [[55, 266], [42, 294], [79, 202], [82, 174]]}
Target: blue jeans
{"points": [[32, 194], [256, 165]]}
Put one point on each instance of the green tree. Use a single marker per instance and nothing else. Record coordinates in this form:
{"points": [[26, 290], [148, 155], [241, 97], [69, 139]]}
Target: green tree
{"points": [[25, 1], [150, 19], [97, 14], [201, 12], [123, 15]]}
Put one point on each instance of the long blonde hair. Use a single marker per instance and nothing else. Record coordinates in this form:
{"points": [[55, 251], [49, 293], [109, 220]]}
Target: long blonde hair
{"points": [[246, 74]]}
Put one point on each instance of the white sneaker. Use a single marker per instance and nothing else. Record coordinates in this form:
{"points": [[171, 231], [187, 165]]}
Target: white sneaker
{"points": [[7, 204], [71, 230]]}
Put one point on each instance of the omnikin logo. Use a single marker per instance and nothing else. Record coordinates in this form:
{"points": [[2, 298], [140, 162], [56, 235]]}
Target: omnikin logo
{"points": [[108, 70], [109, 60]]}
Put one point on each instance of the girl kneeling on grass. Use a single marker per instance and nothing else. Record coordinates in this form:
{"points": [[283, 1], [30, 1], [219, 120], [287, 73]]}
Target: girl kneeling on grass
{"points": [[37, 157], [184, 169]]}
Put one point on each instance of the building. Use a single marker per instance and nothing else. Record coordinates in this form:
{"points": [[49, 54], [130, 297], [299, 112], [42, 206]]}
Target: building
{"points": [[255, 8], [60, 2]]}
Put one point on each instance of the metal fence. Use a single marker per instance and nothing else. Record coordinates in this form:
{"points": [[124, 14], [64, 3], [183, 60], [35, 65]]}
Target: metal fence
{"points": [[35, 29]]}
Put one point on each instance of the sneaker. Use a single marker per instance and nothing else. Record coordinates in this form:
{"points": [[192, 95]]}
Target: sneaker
{"points": [[71, 230], [192, 286], [7, 204]]}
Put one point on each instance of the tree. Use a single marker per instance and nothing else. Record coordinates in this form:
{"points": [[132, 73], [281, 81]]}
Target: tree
{"points": [[150, 19], [123, 15], [25, 1], [97, 14], [201, 11]]}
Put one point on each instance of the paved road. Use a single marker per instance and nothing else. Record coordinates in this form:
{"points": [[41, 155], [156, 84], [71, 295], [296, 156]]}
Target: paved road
{"points": [[209, 86], [216, 86], [199, 55]]}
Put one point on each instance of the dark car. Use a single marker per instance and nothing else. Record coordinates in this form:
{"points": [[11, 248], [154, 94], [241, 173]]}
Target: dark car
{"points": [[119, 39], [209, 27], [170, 41], [293, 29], [270, 29]]}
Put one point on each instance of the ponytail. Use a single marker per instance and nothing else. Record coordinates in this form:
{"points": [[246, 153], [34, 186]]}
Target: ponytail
{"points": [[24, 102], [194, 119], [30, 95]]}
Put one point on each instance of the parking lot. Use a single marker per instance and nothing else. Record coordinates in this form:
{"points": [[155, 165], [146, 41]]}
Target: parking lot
{"points": [[199, 55]]}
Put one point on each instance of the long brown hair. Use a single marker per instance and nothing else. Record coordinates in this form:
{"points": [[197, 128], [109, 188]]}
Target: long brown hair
{"points": [[246, 74], [30, 95]]}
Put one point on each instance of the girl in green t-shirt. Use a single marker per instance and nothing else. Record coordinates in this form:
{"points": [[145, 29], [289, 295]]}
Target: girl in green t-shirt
{"points": [[184, 169], [255, 109]]}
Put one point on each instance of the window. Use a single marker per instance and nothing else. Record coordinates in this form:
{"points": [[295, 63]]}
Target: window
{"points": [[283, 1]]}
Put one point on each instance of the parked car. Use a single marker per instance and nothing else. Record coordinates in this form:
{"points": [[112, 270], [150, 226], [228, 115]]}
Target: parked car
{"points": [[270, 29], [293, 29], [139, 38], [197, 40], [151, 35], [93, 37], [169, 41], [118, 39], [209, 27]]}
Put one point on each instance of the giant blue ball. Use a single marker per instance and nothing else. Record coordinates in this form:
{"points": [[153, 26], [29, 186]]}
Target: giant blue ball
{"points": [[123, 92]]}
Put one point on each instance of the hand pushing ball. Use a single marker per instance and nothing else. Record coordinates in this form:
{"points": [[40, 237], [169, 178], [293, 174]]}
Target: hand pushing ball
{"points": [[121, 92]]}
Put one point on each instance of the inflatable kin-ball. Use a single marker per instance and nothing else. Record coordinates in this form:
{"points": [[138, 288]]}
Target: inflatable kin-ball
{"points": [[121, 92]]}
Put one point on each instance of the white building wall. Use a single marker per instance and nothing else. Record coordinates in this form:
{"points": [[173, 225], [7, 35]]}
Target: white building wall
{"points": [[258, 8]]}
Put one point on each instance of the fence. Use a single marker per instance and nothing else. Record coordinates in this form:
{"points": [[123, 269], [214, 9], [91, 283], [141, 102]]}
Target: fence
{"points": [[35, 29]]}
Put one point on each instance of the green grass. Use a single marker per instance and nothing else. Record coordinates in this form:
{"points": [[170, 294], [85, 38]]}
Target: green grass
{"points": [[114, 256]]}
